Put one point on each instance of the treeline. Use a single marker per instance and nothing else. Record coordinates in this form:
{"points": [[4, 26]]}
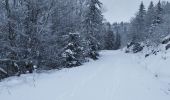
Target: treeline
{"points": [[151, 25], [51, 34]]}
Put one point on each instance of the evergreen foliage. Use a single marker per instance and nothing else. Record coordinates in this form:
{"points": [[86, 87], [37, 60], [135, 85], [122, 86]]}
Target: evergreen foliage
{"points": [[49, 34]]}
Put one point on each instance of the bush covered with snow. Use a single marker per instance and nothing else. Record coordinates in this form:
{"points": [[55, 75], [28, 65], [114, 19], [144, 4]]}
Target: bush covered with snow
{"points": [[134, 47]]}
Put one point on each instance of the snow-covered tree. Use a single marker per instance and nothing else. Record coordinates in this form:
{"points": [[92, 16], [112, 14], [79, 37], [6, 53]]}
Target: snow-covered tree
{"points": [[117, 41], [137, 29], [109, 38], [150, 15], [92, 26], [158, 14], [155, 25], [73, 53]]}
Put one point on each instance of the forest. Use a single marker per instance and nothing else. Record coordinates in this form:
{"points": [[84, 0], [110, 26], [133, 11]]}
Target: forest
{"points": [[40, 35], [51, 34]]}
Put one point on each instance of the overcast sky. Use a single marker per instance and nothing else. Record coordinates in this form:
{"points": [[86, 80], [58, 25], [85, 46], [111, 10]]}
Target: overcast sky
{"points": [[122, 10]]}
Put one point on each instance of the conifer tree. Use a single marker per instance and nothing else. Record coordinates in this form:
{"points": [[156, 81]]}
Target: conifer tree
{"points": [[117, 41], [92, 26], [138, 25], [150, 15], [73, 52], [157, 20], [158, 14], [149, 19], [109, 38]]}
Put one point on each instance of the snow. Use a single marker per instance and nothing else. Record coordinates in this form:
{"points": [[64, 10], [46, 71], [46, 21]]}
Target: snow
{"points": [[115, 76], [159, 66], [2, 70], [167, 37]]}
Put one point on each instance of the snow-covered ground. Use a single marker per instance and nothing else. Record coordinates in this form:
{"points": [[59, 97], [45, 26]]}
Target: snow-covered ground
{"points": [[115, 76]]}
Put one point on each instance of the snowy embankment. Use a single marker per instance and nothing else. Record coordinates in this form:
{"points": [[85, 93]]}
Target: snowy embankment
{"points": [[115, 76]]}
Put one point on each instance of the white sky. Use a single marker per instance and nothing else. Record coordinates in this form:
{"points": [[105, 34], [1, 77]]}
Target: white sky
{"points": [[122, 10]]}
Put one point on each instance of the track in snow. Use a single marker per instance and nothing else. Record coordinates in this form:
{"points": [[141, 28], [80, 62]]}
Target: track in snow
{"points": [[116, 76]]}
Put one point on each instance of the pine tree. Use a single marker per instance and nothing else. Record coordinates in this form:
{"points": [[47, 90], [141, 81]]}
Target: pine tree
{"points": [[141, 21], [158, 14], [150, 15], [149, 19], [109, 38], [157, 20], [117, 41], [92, 26], [73, 52], [138, 25]]}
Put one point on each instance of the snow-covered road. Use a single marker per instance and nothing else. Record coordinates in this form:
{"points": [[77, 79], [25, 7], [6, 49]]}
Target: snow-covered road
{"points": [[115, 76]]}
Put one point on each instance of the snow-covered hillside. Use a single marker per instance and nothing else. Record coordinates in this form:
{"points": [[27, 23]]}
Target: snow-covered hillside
{"points": [[115, 76]]}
